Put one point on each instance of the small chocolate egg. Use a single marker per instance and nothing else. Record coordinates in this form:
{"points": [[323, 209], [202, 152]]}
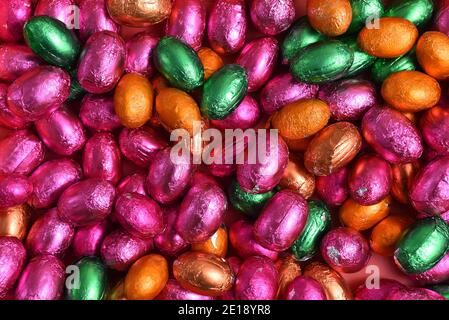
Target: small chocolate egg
{"points": [[333, 188], [12, 260], [93, 17], [272, 17], [97, 113], [305, 288], [296, 178], [248, 203], [217, 244], [364, 12], [139, 54], [432, 52], [14, 222], [417, 11], [62, 10], [15, 189], [360, 217], [387, 233], [9, 119], [92, 280], [87, 240], [211, 61], [138, 13], [14, 15], [435, 129], [383, 68], [331, 18], [15, 60]]}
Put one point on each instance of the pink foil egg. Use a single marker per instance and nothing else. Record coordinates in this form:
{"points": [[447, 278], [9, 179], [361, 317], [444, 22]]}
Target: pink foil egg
{"points": [[435, 129], [272, 17], [39, 92], [174, 291], [187, 22], [345, 250], [305, 288], [141, 145], [259, 59], [333, 189], [167, 181], [97, 113], [442, 20], [392, 135], [50, 235], [439, 273], [246, 116], [227, 26], [348, 99], [201, 212], [369, 180], [62, 10], [284, 89], [12, 260], [120, 250], [86, 202], [13, 16], [242, 239], [87, 240], [281, 221], [7, 118], [265, 172], [377, 293], [429, 193], [42, 279], [20, 152], [134, 183], [101, 158], [139, 54], [405, 293], [15, 189], [102, 62], [94, 18], [62, 132], [50, 180], [257, 279], [139, 215], [169, 242], [15, 60]]}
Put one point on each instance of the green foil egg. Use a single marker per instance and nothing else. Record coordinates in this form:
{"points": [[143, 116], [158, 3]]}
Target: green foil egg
{"points": [[382, 68], [223, 92], [179, 64], [362, 60], [423, 245], [52, 41], [364, 11], [417, 11], [322, 62], [318, 223], [248, 203], [92, 280], [300, 35], [442, 289]]}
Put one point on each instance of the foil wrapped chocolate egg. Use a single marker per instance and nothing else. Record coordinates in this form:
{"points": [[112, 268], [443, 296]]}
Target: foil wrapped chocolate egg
{"points": [[296, 178], [211, 61], [403, 176], [14, 222], [246, 116], [174, 291], [139, 54], [417, 11], [331, 18], [360, 217], [12, 260], [364, 12], [93, 17], [386, 235], [434, 126], [14, 15], [288, 270], [305, 288], [432, 51], [442, 18], [9, 119], [217, 244], [403, 293], [62, 10], [92, 280], [248, 203], [88, 239], [437, 274], [364, 292], [15, 60], [138, 13], [169, 242], [97, 113], [272, 17], [333, 188], [15, 189]]}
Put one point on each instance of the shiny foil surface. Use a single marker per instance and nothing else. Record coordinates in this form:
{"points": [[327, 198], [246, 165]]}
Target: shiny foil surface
{"points": [[12, 260], [434, 126], [15, 189], [94, 18], [383, 68], [245, 116], [138, 13], [97, 113], [417, 11], [271, 17], [248, 203], [305, 288], [15, 60], [169, 242], [363, 10], [8, 119], [87, 240], [331, 18], [92, 280], [174, 291], [431, 51], [13, 17], [61, 10], [139, 54], [14, 221], [333, 188]]}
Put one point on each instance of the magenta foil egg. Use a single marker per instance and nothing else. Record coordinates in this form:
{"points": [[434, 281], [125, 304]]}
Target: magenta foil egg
{"points": [[134, 183], [227, 26], [120, 250], [439, 273], [284, 89], [50, 180], [13, 16], [435, 129], [94, 18], [348, 99], [101, 158], [42, 279], [201, 212], [442, 20], [15, 189], [246, 116], [259, 59], [12, 260], [377, 293], [429, 193], [102, 62], [257, 279], [62, 10], [50, 235], [174, 291], [187, 22], [281, 221], [97, 112], [20, 152], [7, 118], [404, 293], [15, 60], [139, 54], [263, 171], [62, 132], [345, 250], [241, 237], [39, 92], [392, 135], [304, 288], [169, 242], [86, 202], [139, 215], [272, 17], [333, 189], [87, 240], [369, 180], [168, 180], [141, 145]]}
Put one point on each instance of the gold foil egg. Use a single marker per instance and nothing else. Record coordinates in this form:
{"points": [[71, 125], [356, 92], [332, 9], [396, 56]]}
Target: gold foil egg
{"points": [[138, 13]]}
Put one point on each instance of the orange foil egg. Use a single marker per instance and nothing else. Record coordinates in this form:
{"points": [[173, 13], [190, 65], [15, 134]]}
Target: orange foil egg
{"points": [[332, 148], [411, 91], [146, 278], [138, 13], [217, 244], [360, 217], [387, 233], [14, 221], [301, 119], [297, 178], [393, 38], [203, 273], [211, 61], [403, 175], [331, 18], [133, 100], [288, 269], [432, 52]]}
